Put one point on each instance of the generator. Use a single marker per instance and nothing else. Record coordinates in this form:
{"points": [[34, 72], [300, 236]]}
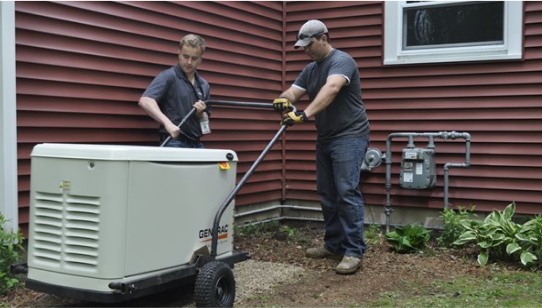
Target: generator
{"points": [[110, 222]]}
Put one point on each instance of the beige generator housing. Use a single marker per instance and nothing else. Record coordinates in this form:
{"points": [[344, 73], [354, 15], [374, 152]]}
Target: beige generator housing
{"points": [[109, 221]]}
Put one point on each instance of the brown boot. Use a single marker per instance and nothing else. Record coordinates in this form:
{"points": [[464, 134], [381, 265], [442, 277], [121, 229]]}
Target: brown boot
{"points": [[321, 253], [348, 265]]}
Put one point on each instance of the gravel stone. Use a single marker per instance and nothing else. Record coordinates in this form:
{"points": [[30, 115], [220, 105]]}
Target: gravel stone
{"points": [[256, 277]]}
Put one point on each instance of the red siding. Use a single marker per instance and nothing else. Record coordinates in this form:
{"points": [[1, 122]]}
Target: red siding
{"points": [[498, 103], [82, 66]]}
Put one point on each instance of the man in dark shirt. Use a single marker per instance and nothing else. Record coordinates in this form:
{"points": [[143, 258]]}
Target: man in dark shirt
{"points": [[175, 92], [333, 84]]}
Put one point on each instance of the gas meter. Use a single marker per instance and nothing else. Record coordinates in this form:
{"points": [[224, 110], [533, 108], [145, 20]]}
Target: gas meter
{"points": [[418, 168]]}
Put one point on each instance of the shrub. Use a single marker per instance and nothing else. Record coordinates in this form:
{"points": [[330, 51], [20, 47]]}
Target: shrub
{"points": [[412, 237], [452, 227], [11, 251]]}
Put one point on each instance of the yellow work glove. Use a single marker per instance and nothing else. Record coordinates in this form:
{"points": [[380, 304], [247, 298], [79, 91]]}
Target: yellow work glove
{"points": [[294, 117], [282, 104]]}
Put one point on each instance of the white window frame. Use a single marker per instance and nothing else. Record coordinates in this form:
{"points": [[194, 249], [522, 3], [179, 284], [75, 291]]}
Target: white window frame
{"points": [[510, 49]]}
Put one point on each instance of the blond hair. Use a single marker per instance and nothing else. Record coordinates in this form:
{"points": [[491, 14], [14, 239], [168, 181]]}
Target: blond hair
{"points": [[193, 40]]}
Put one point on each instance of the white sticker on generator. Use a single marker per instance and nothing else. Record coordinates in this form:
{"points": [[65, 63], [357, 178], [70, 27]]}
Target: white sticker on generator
{"points": [[408, 177]]}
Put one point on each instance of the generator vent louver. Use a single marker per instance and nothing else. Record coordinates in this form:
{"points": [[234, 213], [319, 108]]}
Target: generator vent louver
{"points": [[67, 230]]}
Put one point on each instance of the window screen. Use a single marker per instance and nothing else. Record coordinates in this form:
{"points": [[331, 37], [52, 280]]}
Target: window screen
{"points": [[453, 25]]}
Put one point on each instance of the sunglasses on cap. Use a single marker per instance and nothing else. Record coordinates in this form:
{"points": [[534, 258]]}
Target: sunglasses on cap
{"points": [[305, 36]]}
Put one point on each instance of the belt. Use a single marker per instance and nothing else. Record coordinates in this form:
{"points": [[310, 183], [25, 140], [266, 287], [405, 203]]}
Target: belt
{"points": [[185, 139]]}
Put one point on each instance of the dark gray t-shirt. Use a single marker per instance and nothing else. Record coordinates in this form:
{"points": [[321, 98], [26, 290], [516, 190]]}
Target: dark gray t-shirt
{"points": [[345, 116], [175, 96]]}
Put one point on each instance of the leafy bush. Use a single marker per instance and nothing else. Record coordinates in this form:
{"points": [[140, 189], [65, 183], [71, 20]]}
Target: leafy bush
{"points": [[11, 250], [502, 239], [412, 237], [452, 227]]}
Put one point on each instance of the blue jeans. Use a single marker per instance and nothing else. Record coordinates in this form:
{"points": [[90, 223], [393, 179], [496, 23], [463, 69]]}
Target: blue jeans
{"points": [[338, 164], [182, 144]]}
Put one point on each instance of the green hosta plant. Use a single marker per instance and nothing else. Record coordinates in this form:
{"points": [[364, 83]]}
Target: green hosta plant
{"points": [[412, 237], [502, 239], [530, 237]]}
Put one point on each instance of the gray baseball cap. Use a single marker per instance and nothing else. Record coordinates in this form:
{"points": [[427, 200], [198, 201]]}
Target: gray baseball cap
{"points": [[309, 30]]}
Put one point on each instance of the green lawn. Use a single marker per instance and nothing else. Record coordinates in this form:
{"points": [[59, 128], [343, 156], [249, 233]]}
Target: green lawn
{"points": [[509, 289]]}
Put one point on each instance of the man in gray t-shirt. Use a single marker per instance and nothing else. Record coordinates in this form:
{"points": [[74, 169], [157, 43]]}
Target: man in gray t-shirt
{"points": [[345, 115], [333, 85]]}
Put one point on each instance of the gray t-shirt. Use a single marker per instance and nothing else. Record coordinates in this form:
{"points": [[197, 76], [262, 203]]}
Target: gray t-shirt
{"points": [[345, 116]]}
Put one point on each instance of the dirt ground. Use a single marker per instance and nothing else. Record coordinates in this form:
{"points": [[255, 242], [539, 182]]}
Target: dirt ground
{"points": [[383, 271]]}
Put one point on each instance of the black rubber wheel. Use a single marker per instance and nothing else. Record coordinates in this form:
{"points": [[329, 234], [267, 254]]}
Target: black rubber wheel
{"points": [[215, 286]]}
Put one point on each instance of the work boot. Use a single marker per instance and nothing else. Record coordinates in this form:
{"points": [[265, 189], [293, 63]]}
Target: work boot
{"points": [[348, 265], [321, 253]]}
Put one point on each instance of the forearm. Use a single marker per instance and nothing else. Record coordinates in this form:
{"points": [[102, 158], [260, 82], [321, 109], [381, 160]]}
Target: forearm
{"points": [[293, 94], [324, 98], [326, 95], [288, 94], [151, 108]]}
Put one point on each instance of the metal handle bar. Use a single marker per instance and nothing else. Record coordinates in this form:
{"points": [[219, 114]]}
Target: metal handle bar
{"points": [[216, 223], [239, 104], [224, 103]]}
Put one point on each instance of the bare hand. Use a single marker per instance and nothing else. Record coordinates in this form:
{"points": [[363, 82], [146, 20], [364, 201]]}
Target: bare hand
{"points": [[200, 107], [172, 130]]}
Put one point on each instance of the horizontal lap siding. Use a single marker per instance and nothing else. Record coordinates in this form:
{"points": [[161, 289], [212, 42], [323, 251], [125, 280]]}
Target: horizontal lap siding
{"points": [[498, 103], [82, 66], [355, 27]]}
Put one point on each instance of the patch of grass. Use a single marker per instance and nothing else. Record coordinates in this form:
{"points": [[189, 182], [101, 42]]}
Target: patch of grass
{"points": [[282, 231], [373, 234], [510, 289], [257, 228], [353, 306], [261, 299], [265, 305], [291, 233]]}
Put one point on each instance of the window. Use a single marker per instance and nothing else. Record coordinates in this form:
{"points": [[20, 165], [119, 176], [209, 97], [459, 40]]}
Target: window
{"points": [[446, 31]]}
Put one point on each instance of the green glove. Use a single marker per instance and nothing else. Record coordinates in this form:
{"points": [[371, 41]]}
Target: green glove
{"points": [[294, 117], [282, 104]]}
